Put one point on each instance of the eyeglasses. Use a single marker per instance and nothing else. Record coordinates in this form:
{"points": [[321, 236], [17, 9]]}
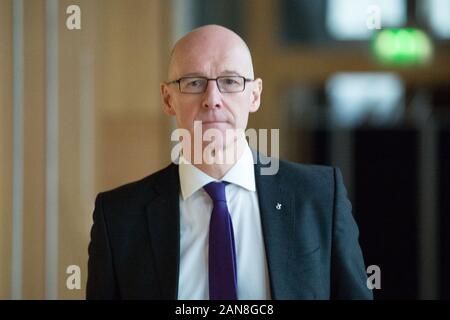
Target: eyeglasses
{"points": [[226, 84]]}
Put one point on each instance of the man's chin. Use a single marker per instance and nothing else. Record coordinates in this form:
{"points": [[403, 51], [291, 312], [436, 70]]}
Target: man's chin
{"points": [[218, 124]]}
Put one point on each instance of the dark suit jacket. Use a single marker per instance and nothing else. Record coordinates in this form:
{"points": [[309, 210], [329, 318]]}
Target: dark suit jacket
{"points": [[311, 243]]}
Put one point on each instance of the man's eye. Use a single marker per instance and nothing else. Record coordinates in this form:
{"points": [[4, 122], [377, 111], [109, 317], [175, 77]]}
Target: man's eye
{"points": [[230, 81], [194, 83]]}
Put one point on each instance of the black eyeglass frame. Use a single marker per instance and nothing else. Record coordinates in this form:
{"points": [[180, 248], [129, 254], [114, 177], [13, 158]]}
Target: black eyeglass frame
{"points": [[210, 79]]}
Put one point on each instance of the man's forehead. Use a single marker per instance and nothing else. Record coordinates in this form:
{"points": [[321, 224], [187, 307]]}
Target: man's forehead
{"points": [[210, 47], [207, 60], [199, 73], [210, 36]]}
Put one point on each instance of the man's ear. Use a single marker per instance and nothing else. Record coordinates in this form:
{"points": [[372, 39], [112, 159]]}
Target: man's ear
{"points": [[255, 95], [166, 99]]}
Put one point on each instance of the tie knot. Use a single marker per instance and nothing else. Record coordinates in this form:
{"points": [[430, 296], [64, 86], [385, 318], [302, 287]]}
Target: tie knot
{"points": [[216, 190]]}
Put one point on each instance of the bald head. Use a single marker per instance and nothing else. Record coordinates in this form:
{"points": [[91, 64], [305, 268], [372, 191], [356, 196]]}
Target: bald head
{"points": [[210, 51]]}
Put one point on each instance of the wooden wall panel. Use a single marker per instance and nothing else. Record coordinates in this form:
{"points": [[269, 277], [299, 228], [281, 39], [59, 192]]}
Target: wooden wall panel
{"points": [[111, 128], [33, 273], [5, 146]]}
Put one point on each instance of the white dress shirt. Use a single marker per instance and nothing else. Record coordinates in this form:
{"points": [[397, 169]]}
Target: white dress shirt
{"points": [[195, 212]]}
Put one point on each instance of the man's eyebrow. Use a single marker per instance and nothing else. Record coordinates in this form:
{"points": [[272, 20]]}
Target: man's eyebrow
{"points": [[193, 74], [230, 72], [199, 74]]}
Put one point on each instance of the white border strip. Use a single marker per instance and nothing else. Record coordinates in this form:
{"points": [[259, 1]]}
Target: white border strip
{"points": [[52, 165], [18, 145]]}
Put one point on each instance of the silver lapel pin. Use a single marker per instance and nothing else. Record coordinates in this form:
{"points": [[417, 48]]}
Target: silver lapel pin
{"points": [[278, 206]]}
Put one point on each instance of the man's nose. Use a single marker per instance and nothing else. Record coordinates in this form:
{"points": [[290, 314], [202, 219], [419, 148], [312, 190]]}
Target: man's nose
{"points": [[212, 95]]}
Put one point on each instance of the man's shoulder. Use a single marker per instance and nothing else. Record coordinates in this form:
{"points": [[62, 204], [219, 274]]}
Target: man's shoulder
{"points": [[142, 189], [304, 178], [305, 168], [295, 170], [311, 183], [310, 175]]}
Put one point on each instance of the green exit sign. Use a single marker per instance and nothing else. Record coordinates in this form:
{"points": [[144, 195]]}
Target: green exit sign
{"points": [[402, 46]]}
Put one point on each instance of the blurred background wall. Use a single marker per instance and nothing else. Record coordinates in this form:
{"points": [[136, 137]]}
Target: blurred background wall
{"points": [[80, 113]]}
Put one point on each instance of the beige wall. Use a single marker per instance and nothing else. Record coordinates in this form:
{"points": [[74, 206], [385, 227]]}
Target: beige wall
{"points": [[111, 129]]}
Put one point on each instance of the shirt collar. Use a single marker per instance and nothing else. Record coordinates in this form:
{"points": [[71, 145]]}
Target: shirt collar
{"points": [[241, 174]]}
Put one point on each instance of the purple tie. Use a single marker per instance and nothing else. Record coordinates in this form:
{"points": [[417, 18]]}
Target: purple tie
{"points": [[222, 253]]}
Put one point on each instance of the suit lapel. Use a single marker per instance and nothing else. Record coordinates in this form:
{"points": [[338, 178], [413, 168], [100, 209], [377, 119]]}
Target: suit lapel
{"points": [[164, 226], [278, 220]]}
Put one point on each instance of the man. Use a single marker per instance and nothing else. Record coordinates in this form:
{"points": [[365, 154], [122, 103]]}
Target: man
{"points": [[223, 230]]}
